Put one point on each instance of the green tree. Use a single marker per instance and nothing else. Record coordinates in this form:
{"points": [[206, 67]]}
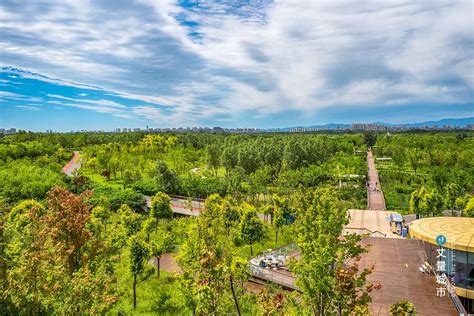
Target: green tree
{"points": [[165, 178], [213, 158], [413, 158], [128, 178], [280, 210], [469, 208], [327, 286], [251, 227], [148, 227], [426, 202], [3, 260], [161, 246], [402, 308], [370, 138], [131, 221], [100, 215], [138, 258], [26, 274], [230, 213], [210, 267], [160, 207], [451, 192]]}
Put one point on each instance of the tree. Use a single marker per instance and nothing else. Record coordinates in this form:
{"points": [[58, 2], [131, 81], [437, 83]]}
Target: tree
{"points": [[160, 207], [189, 203], [58, 264], [451, 192], [267, 211], [426, 202], [252, 229], [280, 210], [128, 178], [138, 257], [131, 221], [230, 213], [166, 179], [148, 227], [413, 158], [271, 303], [415, 202], [469, 208], [370, 138], [402, 308], [66, 220], [213, 158], [100, 215], [25, 248], [159, 247], [210, 267], [327, 285], [229, 158]]}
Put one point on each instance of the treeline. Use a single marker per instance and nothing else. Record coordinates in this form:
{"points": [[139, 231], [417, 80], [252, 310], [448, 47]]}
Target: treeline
{"points": [[246, 165], [249, 167]]}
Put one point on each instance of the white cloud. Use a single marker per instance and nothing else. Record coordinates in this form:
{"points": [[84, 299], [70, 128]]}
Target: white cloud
{"points": [[28, 107], [267, 59], [100, 102]]}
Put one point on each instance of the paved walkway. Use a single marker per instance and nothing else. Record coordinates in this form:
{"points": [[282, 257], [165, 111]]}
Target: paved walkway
{"points": [[73, 164], [375, 198]]}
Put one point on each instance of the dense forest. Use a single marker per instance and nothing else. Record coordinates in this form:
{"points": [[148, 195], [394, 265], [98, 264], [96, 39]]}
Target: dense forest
{"points": [[91, 244]]}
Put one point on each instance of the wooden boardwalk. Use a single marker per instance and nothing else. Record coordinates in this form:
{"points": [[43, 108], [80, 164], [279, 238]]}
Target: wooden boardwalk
{"points": [[179, 205], [397, 263], [375, 198]]}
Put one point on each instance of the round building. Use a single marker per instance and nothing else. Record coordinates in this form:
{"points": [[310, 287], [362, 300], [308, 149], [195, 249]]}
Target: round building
{"points": [[449, 248]]}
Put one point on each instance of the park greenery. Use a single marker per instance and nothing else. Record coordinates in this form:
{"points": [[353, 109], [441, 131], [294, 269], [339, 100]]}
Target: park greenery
{"points": [[426, 173], [105, 240]]}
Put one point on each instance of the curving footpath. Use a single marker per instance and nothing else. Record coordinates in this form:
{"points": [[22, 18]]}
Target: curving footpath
{"points": [[73, 164]]}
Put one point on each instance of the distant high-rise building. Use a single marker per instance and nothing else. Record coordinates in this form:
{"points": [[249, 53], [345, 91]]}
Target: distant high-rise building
{"points": [[368, 127], [9, 131]]}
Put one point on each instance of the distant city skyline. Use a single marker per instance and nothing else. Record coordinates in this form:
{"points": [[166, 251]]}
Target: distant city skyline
{"points": [[69, 65], [447, 124]]}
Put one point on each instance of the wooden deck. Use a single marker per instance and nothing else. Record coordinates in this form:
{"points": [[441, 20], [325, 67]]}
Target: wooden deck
{"points": [[396, 268], [396, 263]]}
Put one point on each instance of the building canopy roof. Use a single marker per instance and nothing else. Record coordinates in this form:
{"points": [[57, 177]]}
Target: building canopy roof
{"points": [[459, 231]]}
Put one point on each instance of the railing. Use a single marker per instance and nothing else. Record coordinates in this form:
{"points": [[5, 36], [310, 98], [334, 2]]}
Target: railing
{"points": [[284, 280], [454, 297], [182, 197], [282, 251], [360, 230]]}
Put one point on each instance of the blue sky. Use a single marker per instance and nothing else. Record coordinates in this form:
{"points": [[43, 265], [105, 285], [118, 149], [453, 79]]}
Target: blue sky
{"points": [[68, 65]]}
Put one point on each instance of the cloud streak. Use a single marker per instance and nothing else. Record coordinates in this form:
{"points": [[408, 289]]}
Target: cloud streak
{"points": [[217, 62]]}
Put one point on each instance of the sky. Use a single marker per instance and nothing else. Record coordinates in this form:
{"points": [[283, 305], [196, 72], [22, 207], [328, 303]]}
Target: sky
{"points": [[104, 64]]}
